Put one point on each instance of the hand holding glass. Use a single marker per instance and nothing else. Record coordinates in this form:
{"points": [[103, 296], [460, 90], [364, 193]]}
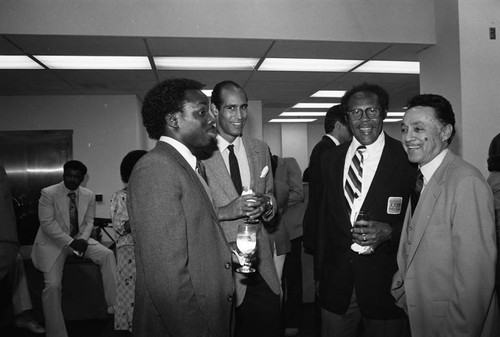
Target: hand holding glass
{"points": [[246, 243], [248, 190], [364, 250]]}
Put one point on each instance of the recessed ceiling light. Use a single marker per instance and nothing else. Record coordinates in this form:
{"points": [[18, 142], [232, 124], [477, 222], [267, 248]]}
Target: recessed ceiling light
{"points": [[302, 113], [390, 67], [95, 62], [292, 120], [329, 93], [18, 62], [295, 64], [207, 92], [205, 63], [395, 114], [313, 105]]}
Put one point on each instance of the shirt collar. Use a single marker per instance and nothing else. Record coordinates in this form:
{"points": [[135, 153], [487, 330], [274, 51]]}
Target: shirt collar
{"points": [[222, 144], [335, 140], [375, 147], [430, 168], [182, 149]]}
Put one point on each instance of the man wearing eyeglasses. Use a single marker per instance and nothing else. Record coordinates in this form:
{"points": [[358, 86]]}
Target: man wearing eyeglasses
{"points": [[370, 174]]}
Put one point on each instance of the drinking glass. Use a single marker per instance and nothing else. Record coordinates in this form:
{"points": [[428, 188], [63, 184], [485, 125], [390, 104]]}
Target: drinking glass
{"points": [[246, 244], [363, 250], [248, 190]]}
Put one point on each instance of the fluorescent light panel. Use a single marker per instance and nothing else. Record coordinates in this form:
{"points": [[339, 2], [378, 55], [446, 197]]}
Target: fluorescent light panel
{"points": [[302, 113], [207, 92], [389, 67], [95, 62], [295, 64], [313, 105], [292, 120], [392, 120], [329, 93], [18, 62], [395, 114], [205, 63]]}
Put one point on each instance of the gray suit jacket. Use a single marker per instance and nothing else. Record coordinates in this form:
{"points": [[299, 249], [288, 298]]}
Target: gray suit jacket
{"points": [[223, 192], [184, 283], [446, 276], [53, 213]]}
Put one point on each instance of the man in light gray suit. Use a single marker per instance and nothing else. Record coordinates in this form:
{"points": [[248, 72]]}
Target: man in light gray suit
{"points": [[184, 284], [66, 213], [447, 252], [258, 294]]}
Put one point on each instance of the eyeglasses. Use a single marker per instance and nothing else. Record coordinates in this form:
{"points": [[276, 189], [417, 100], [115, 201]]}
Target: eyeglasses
{"points": [[371, 112]]}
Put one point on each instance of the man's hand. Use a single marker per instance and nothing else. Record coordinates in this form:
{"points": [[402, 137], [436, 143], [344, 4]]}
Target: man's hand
{"points": [[371, 233], [249, 205], [79, 245]]}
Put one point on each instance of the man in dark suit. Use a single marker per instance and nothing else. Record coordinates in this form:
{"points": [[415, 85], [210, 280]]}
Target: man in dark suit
{"points": [[371, 174], [258, 294], [337, 132], [447, 252], [66, 212], [9, 245], [184, 283]]}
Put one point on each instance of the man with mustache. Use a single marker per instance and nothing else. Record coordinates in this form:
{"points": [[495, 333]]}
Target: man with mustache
{"points": [[369, 174], [184, 284]]}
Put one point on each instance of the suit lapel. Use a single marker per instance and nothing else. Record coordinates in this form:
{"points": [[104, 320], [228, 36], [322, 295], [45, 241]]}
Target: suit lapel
{"points": [[338, 176], [255, 164], [425, 207], [388, 163], [215, 164]]}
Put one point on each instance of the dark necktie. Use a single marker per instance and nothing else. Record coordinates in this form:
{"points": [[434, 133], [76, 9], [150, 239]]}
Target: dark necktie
{"points": [[352, 188], [234, 169], [415, 194], [73, 214], [200, 168]]}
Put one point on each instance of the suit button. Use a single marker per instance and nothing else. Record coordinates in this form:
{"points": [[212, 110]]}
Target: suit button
{"points": [[230, 298], [227, 265], [408, 243], [410, 228]]}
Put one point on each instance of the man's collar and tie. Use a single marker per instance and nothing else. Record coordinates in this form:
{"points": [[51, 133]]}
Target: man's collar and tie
{"points": [[234, 170], [353, 183]]}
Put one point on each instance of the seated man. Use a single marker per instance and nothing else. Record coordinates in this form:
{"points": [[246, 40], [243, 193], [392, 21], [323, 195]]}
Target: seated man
{"points": [[66, 213]]}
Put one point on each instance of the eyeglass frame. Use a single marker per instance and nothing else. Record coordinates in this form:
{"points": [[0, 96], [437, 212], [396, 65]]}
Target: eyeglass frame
{"points": [[370, 115]]}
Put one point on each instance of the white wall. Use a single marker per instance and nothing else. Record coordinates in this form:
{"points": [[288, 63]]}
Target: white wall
{"points": [[105, 129], [398, 21]]}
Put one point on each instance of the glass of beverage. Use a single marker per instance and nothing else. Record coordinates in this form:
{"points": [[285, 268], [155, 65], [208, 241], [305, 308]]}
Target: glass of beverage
{"points": [[246, 244], [363, 250], [248, 190]]}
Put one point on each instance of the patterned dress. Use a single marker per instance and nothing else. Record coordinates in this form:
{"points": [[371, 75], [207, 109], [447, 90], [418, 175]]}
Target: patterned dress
{"points": [[125, 263]]}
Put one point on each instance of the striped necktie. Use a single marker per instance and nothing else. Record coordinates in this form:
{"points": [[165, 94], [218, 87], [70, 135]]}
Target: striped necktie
{"points": [[200, 168], [352, 188]]}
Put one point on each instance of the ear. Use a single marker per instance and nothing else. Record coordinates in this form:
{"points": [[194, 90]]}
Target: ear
{"points": [[214, 109], [446, 132], [172, 120]]}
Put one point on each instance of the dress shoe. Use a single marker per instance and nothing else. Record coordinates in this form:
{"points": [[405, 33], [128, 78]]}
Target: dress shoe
{"points": [[31, 325]]}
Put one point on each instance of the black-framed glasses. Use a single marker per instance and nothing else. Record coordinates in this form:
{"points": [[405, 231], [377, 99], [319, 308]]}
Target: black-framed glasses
{"points": [[371, 112]]}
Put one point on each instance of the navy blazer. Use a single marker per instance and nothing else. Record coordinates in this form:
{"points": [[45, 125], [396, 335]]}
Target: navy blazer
{"points": [[344, 270]]}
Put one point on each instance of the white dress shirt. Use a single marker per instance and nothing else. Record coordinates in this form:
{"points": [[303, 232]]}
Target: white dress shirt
{"points": [[371, 159], [241, 155]]}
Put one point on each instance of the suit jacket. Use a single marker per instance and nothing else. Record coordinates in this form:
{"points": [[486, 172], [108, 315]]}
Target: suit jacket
{"points": [[446, 271], [343, 269], [310, 222], [288, 171], [184, 284], [223, 192], [9, 245], [53, 213]]}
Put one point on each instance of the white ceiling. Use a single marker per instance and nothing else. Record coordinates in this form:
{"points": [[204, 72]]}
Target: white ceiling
{"points": [[278, 91]]}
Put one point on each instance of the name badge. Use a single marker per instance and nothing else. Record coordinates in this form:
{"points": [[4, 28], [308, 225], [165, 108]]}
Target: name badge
{"points": [[394, 205]]}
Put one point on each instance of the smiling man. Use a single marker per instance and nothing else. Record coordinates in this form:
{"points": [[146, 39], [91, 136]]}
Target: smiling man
{"points": [[371, 174], [447, 252], [184, 282], [240, 161]]}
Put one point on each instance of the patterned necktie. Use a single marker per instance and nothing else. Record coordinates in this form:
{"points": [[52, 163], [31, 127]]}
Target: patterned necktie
{"points": [[234, 169], [415, 194], [200, 168], [352, 188], [73, 214]]}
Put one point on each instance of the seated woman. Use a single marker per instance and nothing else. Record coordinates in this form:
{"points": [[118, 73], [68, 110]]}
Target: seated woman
{"points": [[124, 247]]}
